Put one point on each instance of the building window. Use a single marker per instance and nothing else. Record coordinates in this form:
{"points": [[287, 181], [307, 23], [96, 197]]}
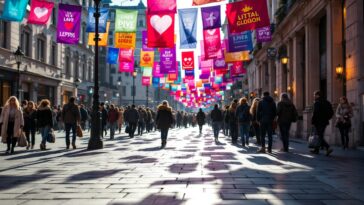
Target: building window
{"points": [[68, 63], [3, 34], [90, 72], [141, 23], [123, 91], [54, 16], [26, 41], [126, 74], [54, 54], [77, 69], [41, 49], [323, 56]]}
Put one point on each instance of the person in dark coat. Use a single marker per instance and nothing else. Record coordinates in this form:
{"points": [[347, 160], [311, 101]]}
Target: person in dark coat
{"points": [[30, 116], [266, 114], [244, 118], [164, 121], [200, 119], [322, 113], [217, 118], [44, 121], [287, 113], [71, 117], [104, 117], [132, 117], [225, 123]]}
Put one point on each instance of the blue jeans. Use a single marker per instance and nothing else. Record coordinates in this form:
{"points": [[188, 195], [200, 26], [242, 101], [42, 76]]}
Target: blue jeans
{"points": [[267, 128], [44, 131], [244, 133], [68, 127], [112, 129], [216, 128], [164, 134]]}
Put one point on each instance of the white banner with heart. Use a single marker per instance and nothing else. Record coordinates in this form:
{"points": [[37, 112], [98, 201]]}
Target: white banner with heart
{"points": [[161, 24], [40, 12]]}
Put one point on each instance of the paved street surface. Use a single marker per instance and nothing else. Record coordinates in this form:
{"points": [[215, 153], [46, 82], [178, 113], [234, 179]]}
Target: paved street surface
{"points": [[191, 170]]}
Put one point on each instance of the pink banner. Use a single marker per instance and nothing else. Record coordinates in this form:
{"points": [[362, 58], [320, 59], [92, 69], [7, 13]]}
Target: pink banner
{"points": [[237, 69], [158, 6], [126, 55], [146, 81], [40, 11], [212, 43], [126, 67], [157, 70]]}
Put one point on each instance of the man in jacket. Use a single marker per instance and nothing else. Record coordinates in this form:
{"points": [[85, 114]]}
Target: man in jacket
{"points": [[84, 116], [217, 118], [164, 121], [244, 118], [132, 117], [200, 119], [112, 120], [266, 113], [71, 117], [322, 113]]}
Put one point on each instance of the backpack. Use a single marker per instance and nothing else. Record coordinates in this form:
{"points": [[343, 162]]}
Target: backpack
{"points": [[244, 114]]}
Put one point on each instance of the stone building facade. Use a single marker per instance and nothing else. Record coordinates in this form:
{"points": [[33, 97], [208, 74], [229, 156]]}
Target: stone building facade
{"points": [[317, 36]]}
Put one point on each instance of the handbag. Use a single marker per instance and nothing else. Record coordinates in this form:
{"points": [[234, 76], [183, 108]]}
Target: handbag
{"points": [[22, 140], [79, 131], [51, 137], [314, 140], [127, 129]]}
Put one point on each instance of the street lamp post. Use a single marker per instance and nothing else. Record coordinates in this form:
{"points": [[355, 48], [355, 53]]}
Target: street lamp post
{"points": [[18, 57], [95, 141], [134, 76]]}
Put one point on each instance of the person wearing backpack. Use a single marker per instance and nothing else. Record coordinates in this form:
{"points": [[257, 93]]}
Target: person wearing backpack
{"points": [[71, 117], [322, 113], [286, 113], [244, 119]]}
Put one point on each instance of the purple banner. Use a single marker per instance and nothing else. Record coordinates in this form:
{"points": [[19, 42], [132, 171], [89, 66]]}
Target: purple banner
{"points": [[68, 24], [145, 41], [211, 17], [264, 34], [168, 60], [219, 63]]}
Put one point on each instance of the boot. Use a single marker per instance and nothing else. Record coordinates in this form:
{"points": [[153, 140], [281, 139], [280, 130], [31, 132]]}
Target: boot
{"points": [[73, 145]]}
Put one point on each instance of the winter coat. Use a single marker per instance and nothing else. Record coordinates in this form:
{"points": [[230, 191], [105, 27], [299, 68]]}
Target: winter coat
{"points": [[286, 112], [112, 116], [164, 118], [44, 117], [120, 118], [242, 114], [84, 114], [104, 116], [29, 119], [322, 112], [344, 113], [71, 113], [4, 121], [266, 111], [216, 115], [232, 118], [201, 118], [132, 116]]}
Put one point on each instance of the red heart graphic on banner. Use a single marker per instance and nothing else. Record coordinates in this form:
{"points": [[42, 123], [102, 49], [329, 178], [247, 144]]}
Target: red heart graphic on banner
{"points": [[68, 25]]}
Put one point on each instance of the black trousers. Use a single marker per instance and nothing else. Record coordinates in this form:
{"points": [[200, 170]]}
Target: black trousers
{"points": [[234, 132], [132, 127], [344, 129], [11, 140], [30, 135], [284, 129], [320, 130]]}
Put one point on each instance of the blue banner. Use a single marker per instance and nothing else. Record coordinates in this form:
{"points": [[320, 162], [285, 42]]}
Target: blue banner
{"points": [[240, 42], [188, 28], [102, 20], [14, 10], [112, 55], [155, 82]]}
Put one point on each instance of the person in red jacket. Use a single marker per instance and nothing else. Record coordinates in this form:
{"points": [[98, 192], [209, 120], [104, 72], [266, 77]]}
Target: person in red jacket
{"points": [[112, 118]]}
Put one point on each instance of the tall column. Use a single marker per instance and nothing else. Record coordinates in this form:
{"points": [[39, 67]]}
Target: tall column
{"points": [[297, 73]]}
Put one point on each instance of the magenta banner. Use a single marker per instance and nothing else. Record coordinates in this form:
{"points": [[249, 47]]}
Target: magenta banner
{"points": [[168, 60], [212, 43], [264, 34], [145, 41], [68, 24], [157, 70]]}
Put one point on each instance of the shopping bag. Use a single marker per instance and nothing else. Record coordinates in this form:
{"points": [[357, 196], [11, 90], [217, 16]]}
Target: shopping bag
{"points": [[127, 129], [314, 140], [79, 131], [22, 140], [51, 137]]}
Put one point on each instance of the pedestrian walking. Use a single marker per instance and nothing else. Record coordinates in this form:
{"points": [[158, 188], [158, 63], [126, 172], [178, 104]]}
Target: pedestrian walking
{"points": [[266, 113], [225, 123], [244, 118], [104, 115], [322, 113], [200, 119], [287, 114], [71, 117], [44, 121], [11, 123], [30, 116], [344, 113], [142, 119], [84, 116], [164, 121], [233, 122], [255, 124], [217, 118], [132, 117], [120, 118], [112, 118]]}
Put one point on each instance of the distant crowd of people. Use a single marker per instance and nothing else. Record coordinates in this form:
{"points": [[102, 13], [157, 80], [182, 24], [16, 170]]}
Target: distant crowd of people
{"points": [[259, 120]]}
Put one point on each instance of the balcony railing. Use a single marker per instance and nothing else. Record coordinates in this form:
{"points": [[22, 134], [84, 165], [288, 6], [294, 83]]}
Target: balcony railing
{"points": [[284, 9]]}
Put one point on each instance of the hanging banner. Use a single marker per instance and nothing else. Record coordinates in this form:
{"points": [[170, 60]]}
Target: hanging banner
{"points": [[168, 60], [264, 34], [189, 74], [240, 42], [40, 11], [201, 2], [126, 55], [68, 24], [103, 37], [212, 43], [157, 70], [155, 82], [126, 20], [125, 40], [237, 56], [188, 28], [126, 67], [160, 30], [146, 81], [146, 58], [247, 15], [211, 17], [237, 69], [219, 63], [145, 41], [104, 14], [14, 10], [188, 60], [147, 72], [112, 55], [158, 6]]}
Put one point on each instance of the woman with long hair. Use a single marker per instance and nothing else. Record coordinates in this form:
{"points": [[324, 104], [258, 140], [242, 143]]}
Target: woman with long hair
{"points": [[120, 118], [233, 122], [255, 124], [164, 121], [344, 113], [11, 122], [44, 121], [30, 115], [244, 118]]}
